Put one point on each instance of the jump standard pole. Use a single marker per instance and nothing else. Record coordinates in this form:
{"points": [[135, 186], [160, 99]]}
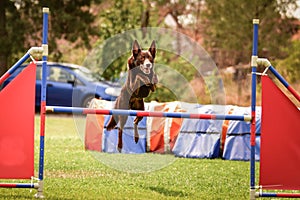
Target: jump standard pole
{"points": [[254, 58], [39, 193]]}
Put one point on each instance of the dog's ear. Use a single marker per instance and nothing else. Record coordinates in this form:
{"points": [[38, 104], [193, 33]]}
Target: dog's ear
{"points": [[152, 49], [136, 49]]}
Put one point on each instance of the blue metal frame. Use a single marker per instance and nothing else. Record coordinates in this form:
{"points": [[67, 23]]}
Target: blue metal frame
{"points": [[253, 103], [18, 63], [14, 67], [43, 92]]}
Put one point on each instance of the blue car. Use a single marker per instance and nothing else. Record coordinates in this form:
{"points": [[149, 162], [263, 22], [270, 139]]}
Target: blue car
{"points": [[71, 85]]}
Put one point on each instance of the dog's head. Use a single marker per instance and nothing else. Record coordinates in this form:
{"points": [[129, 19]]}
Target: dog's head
{"points": [[144, 59]]}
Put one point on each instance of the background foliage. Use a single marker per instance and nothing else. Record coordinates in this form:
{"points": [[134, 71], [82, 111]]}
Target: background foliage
{"points": [[21, 25], [223, 27]]}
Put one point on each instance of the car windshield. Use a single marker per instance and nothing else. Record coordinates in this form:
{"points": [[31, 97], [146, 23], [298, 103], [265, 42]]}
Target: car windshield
{"points": [[87, 74]]}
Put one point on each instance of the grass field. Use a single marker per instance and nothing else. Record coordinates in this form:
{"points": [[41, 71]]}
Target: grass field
{"points": [[73, 173]]}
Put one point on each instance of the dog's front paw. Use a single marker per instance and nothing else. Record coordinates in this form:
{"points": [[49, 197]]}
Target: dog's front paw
{"points": [[154, 79], [147, 81], [136, 139], [136, 133], [119, 150], [120, 146]]}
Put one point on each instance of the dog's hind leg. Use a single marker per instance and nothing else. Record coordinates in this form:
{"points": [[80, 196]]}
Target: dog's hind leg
{"points": [[135, 124], [120, 142], [112, 123], [123, 120]]}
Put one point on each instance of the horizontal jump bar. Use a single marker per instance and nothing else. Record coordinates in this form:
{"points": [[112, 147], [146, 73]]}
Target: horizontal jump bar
{"points": [[19, 185], [282, 195], [77, 110]]}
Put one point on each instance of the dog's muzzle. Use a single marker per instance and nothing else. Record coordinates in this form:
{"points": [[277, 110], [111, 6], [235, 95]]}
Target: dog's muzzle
{"points": [[146, 67]]}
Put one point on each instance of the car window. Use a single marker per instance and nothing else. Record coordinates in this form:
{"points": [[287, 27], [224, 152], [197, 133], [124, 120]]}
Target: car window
{"points": [[86, 74], [78, 82], [60, 75]]}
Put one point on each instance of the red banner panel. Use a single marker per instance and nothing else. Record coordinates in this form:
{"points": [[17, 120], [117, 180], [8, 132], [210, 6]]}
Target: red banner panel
{"points": [[93, 132], [280, 140], [17, 104]]}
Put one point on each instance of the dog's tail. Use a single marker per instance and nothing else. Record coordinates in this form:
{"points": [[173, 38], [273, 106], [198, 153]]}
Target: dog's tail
{"points": [[111, 124]]}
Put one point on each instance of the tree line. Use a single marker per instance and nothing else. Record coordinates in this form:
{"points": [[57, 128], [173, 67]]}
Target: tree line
{"points": [[223, 27]]}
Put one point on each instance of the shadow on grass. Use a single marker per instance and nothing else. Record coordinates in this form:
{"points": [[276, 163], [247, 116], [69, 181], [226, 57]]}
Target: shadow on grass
{"points": [[167, 192], [16, 196]]}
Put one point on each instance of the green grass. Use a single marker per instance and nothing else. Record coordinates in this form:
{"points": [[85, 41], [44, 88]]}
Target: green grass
{"points": [[73, 173]]}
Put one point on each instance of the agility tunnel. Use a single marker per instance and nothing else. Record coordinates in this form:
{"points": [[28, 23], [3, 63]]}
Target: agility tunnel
{"points": [[17, 141], [237, 136], [190, 138]]}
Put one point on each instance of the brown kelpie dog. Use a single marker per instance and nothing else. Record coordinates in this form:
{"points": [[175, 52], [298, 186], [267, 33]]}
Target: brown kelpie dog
{"points": [[141, 79]]}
